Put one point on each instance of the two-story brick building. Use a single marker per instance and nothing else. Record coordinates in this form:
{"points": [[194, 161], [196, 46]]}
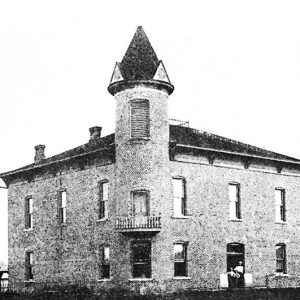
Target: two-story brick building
{"points": [[161, 205]]}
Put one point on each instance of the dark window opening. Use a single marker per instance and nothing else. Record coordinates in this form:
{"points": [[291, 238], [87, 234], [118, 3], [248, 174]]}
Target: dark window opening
{"points": [[29, 266], [104, 262], [281, 258], [28, 212], [280, 205]]}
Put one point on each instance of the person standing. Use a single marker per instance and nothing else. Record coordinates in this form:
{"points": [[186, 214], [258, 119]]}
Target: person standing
{"points": [[239, 269]]}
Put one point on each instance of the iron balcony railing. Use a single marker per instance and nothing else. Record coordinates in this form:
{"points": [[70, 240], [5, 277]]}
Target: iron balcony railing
{"points": [[132, 223]]}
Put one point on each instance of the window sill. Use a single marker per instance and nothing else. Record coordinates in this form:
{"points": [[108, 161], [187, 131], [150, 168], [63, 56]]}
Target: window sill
{"points": [[140, 279], [139, 139], [281, 275], [102, 220], [28, 229], [103, 279], [180, 217], [281, 222], [181, 278], [235, 220]]}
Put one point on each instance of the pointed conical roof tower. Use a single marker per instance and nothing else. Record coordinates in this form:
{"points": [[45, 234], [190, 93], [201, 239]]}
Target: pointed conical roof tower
{"points": [[140, 65]]}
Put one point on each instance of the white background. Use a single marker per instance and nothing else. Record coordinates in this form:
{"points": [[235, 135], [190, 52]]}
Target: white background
{"points": [[235, 66]]}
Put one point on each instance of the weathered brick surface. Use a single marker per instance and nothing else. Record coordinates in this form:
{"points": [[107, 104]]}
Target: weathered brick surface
{"points": [[71, 252]]}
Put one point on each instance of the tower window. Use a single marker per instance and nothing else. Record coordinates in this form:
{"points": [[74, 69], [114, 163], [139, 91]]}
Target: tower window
{"points": [[103, 200], [139, 119], [140, 203], [280, 207], [28, 213], [234, 201]]}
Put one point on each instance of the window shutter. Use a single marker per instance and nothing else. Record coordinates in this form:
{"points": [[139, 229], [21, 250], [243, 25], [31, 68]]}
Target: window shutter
{"points": [[139, 119]]}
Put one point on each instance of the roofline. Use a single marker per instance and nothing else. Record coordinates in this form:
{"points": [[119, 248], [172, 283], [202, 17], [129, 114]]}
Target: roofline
{"points": [[52, 162], [119, 86], [238, 154]]}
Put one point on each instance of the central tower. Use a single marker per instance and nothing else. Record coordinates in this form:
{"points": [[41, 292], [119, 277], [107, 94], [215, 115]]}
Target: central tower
{"points": [[141, 88]]}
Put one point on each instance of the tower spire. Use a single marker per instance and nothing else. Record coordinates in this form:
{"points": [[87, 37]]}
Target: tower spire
{"points": [[140, 65]]}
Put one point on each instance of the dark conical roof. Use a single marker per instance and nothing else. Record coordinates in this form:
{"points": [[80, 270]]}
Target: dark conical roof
{"points": [[140, 61]]}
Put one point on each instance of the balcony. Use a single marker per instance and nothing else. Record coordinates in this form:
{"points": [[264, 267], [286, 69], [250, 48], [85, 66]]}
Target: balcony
{"points": [[145, 224]]}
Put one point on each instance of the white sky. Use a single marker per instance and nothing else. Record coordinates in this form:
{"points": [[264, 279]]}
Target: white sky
{"points": [[235, 66]]}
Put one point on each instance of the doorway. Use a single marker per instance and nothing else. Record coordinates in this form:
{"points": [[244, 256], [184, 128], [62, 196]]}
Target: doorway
{"points": [[236, 263]]}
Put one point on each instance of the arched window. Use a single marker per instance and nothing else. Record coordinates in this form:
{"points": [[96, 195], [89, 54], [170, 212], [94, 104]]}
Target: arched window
{"points": [[140, 201]]}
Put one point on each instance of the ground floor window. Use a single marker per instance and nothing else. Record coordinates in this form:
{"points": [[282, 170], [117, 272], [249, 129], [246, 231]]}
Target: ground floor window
{"points": [[141, 259], [104, 262], [281, 258], [180, 260], [28, 265]]}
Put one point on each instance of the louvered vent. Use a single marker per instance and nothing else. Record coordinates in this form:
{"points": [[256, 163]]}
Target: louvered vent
{"points": [[139, 118]]}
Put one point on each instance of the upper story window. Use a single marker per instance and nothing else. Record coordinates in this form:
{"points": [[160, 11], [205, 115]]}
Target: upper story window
{"points": [[29, 265], [179, 196], [139, 119], [180, 260], [140, 203], [104, 261], [234, 201], [28, 212], [103, 200], [280, 206], [62, 207], [281, 258]]}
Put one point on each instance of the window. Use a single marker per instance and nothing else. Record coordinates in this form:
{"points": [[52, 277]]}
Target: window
{"points": [[28, 212], [62, 202], [139, 118], [281, 258], [29, 265], [140, 203], [104, 262], [141, 259], [103, 199], [179, 194], [234, 201], [180, 260], [280, 208]]}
